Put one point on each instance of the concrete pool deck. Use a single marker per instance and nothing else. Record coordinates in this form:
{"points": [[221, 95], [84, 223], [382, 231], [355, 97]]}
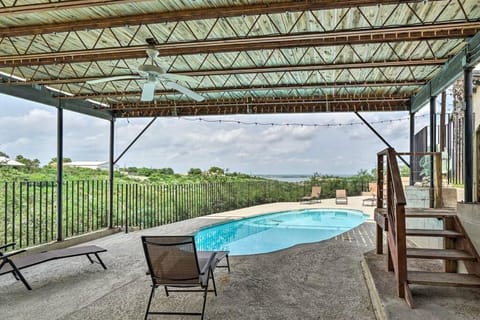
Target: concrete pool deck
{"points": [[322, 280]]}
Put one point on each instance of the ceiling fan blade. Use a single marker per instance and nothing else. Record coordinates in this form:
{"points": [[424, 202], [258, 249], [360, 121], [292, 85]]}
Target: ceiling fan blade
{"points": [[128, 77], [148, 91], [179, 77], [189, 93]]}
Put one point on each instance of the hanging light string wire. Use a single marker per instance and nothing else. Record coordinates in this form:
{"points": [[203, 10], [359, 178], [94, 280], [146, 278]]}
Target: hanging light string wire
{"points": [[256, 123]]}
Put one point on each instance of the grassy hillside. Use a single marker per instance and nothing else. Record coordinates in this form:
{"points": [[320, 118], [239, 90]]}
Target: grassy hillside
{"points": [[130, 175]]}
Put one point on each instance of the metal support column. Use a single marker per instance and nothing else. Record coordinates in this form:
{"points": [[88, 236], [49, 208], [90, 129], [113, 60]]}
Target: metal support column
{"points": [[135, 140], [111, 173], [59, 174], [433, 140], [443, 112], [412, 146], [468, 142]]}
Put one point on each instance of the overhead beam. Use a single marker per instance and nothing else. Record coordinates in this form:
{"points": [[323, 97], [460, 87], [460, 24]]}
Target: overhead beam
{"points": [[58, 5], [380, 35], [170, 16], [267, 69], [252, 89], [269, 101], [42, 95], [253, 108], [473, 51], [451, 71]]}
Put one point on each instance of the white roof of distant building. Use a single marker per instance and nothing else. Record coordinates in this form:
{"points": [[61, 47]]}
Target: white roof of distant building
{"points": [[4, 161], [85, 163]]}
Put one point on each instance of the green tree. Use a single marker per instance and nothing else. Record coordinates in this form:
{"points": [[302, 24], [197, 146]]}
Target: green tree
{"points": [[54, 161], [3, 154], [29, 164], [132, 170], [315, 179], [216, 171], [194, 171], [166, 171], [404, 171], [146, 172], [365, 175]]}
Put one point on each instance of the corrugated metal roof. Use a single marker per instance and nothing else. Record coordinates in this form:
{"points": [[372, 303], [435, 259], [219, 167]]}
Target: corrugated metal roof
{"points": [[247, 56]]}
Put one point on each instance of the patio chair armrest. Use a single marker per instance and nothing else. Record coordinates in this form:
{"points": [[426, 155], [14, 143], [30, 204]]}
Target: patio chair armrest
{"points": [[11, 244], [8, 255], [208, 265]]}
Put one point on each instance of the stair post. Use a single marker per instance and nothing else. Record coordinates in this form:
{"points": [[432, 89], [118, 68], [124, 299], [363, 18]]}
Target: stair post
{"points": [[437, 164]]}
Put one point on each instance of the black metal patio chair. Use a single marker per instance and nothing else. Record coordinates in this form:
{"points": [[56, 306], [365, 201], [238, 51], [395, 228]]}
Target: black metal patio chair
{"points": [[173, 262]]}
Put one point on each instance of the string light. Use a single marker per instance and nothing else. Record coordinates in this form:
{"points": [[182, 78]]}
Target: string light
{"points": [[298, 124]]}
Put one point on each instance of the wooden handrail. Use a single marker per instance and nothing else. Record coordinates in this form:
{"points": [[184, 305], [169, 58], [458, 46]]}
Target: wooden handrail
{"points": [[395, 213], [396, 178], [394, 220]]}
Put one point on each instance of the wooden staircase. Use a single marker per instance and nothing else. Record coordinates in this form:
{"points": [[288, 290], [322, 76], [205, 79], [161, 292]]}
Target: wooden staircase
{"points": [[457, 247], [456, 243]]}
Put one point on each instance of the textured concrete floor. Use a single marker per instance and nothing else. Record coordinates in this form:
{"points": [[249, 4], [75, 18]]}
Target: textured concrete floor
{"points": [[430, 303], [321, 280]]}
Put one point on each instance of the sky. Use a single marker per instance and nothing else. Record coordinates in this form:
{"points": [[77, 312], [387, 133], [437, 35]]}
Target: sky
{"points": [[29, 129]]}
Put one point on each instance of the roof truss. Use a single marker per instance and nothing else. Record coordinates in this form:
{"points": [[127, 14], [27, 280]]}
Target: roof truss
{"points": [[415, 33], [18, 8], [254, 70], [165, 17], [288, 56]]}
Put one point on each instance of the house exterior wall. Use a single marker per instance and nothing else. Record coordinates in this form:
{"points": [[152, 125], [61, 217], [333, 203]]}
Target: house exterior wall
{"points": [[476, 137], [88, 164]]}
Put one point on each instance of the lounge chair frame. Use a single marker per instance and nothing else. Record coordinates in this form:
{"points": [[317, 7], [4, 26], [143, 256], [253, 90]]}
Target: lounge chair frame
{"points": [[205, 262], [372, 200], [315, 195], [15, 264], [341, 196]]}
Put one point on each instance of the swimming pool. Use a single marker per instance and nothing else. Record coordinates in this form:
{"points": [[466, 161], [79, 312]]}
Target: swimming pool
{"points": [[272, 232]]}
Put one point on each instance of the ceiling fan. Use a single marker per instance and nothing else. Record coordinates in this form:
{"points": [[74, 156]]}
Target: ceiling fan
{"points": [[154, 74]]}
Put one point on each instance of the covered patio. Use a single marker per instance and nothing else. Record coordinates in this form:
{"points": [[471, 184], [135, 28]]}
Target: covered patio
{"points": [[147, 59]]}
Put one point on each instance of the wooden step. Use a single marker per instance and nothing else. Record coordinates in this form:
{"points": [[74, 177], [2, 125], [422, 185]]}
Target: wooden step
{"points": [[424, 212], [430, 212], [444, 254], [443, 279], [433, 233]]}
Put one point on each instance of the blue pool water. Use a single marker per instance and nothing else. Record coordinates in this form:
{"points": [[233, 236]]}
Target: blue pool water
{"points": [[277, 231]]}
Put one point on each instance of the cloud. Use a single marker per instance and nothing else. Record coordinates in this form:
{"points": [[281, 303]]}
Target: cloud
{"points": [[180, 143], [35, 121], [17, 142]]}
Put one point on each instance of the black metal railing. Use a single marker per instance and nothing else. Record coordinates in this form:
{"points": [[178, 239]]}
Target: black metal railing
{"points": [[30, 217]]}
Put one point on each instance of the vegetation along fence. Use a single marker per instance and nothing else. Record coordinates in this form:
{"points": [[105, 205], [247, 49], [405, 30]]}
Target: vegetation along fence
{"points": [[30, 218]]}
